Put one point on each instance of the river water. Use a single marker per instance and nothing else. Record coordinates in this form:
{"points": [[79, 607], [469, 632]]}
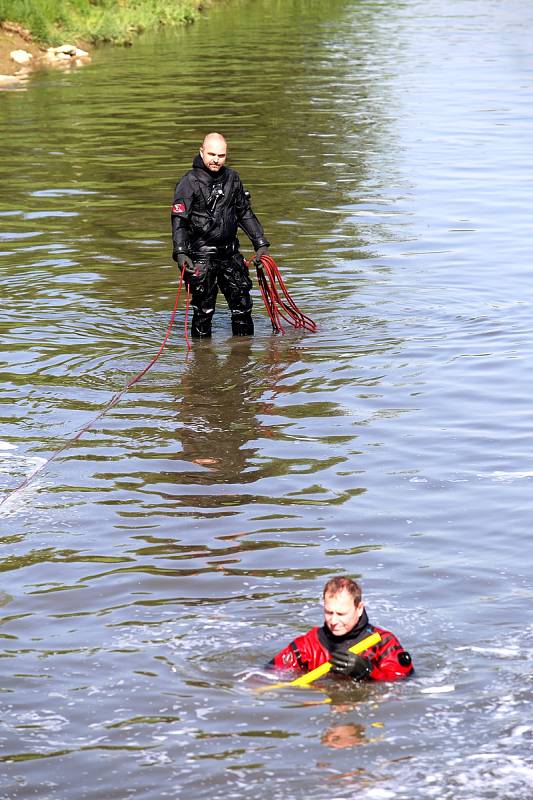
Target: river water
{"points": [[156, 564]]}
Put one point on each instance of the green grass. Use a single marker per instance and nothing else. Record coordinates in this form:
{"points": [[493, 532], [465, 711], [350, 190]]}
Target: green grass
{"points": [[57, 21]]}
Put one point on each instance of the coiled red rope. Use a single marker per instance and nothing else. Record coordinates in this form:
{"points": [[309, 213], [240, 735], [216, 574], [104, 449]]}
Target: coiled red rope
{"points": [[114, 400], [278, 302]]}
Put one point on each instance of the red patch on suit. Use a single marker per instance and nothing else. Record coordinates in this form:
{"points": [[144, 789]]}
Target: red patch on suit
{"points": [[178, 208]]}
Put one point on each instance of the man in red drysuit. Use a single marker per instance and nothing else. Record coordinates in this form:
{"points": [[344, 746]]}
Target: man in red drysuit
{"points": [[345, 624]]}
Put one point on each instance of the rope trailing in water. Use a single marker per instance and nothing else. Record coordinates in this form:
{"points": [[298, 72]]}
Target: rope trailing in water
{"points": [[278, 302], [109, 405]]}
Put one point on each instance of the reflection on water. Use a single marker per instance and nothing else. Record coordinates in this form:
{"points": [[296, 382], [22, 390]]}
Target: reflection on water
{"points": [[219, 405], [151, 570], [341, 736]]}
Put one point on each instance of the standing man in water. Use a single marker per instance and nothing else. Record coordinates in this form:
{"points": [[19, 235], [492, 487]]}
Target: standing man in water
{"points": [[346, 623], [209, 206]]}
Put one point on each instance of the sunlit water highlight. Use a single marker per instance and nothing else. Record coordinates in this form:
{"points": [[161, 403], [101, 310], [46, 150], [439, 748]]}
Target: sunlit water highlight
{"points": [[152, 569]]}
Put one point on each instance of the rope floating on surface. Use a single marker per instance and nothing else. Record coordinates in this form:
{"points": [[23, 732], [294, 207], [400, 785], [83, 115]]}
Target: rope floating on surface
{"points": [[109, 405], [278, 303]]}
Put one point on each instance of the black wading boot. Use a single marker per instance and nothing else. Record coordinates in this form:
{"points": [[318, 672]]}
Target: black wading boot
{"points": [[201, 326], [242, 324]]}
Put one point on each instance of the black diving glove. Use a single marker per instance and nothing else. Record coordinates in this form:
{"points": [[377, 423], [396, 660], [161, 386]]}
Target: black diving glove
{"points": [[184, 261], [351, 664], [261, 251]]}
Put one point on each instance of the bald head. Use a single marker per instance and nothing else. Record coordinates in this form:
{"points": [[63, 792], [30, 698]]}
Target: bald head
{"points": [[213, 151]]}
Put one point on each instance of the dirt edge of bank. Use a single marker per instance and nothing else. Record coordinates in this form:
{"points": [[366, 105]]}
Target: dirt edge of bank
{"points": [[14, 37]]}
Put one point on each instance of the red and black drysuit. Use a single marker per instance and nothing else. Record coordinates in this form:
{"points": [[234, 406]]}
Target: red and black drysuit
{"points": [[209, 208], [388, 660]]}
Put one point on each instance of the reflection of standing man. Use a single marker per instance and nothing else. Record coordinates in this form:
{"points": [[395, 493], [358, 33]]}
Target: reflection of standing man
{"points": [[218, 406], [210, 204]]}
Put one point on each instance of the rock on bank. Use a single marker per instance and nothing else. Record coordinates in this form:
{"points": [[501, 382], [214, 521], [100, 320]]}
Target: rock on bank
{"points": [[19, 54]]}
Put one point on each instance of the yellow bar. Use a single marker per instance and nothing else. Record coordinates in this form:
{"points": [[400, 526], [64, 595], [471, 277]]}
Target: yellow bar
{"points": [[323, 669]]}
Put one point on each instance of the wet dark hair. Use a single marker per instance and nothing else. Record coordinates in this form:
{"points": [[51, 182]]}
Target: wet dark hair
{"points": [[341, 584]]}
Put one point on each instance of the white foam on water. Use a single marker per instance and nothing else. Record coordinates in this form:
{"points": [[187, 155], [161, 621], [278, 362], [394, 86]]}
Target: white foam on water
{"points": [[472, 777], [45, 720], [520, 730], [499, 651], [247, 674], [504, 476], [508, 773], [447, 687], [16, 500], [11, 462]]}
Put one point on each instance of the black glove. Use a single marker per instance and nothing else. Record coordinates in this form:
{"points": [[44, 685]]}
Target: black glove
{"points": [[184, 261], [261, 251], [351, 664]]}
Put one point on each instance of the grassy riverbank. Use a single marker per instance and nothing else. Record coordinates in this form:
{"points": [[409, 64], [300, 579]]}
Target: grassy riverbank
{"points": [[53, 22]]}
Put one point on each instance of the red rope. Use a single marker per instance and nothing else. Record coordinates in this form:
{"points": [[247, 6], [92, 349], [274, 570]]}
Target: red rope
{"points": [[114, 400], [278, 302], [186, 322]]}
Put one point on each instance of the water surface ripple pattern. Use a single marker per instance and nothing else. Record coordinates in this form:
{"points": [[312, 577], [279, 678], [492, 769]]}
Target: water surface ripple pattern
{"points": [[152, 569]]}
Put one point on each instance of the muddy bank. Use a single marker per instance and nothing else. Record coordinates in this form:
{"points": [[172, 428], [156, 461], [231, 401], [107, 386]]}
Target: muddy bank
{"points": [[21, 52], [20, 55], [15, 37]]}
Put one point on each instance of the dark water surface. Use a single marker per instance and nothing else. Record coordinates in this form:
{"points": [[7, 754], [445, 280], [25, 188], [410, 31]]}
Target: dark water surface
{"points": [[152, 569]]}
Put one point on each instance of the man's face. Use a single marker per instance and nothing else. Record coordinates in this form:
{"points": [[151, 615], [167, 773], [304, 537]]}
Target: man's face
{"points": [[213, 152], [341, 613]]}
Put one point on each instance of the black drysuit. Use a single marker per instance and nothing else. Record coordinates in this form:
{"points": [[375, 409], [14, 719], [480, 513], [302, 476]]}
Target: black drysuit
{"points": [[208, 209]]}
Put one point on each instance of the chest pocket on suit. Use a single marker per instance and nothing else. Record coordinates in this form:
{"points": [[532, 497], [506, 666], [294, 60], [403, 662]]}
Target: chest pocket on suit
{"points": [[201, 221]]}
